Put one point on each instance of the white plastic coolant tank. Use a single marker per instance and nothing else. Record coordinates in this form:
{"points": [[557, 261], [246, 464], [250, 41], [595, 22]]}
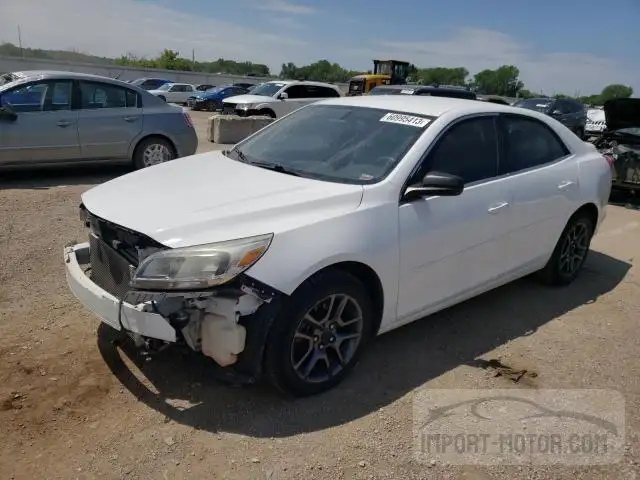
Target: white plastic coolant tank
{"points": [[222, 339]]}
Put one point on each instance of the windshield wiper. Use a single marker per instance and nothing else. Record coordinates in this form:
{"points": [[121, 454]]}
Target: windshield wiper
{"points": [[276, 167]]}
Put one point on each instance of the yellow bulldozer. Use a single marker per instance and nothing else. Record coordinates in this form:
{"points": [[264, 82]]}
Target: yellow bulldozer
{"points": [[385, 72]]}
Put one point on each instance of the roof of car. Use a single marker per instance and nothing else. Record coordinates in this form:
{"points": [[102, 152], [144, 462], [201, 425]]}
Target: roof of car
{"points": [[422, 105], [303, 82]]}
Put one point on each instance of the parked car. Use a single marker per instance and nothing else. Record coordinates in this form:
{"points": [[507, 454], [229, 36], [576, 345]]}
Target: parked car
{"points": [[451, 91], [619, 142], [204, 87], [174, 92], [211, 100], [288, 253], [243, 85], [278, 98], [571, 113], [149, 83], [57, 118]]}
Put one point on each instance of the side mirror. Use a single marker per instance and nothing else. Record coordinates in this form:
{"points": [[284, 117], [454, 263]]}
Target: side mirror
{"points": [[435, 184], [283, 96], [8, 115]]}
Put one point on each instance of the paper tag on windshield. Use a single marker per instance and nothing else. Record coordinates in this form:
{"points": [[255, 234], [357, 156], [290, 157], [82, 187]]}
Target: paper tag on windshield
{"points": [[417, 122]]}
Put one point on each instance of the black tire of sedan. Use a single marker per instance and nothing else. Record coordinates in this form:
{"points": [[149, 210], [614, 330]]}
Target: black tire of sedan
{"points": [[320, 334], [152, 151], [570, 253]]}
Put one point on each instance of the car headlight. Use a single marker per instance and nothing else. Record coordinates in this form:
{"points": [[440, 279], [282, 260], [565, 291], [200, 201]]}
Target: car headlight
{"points": [[244, 106], [199, 267]]}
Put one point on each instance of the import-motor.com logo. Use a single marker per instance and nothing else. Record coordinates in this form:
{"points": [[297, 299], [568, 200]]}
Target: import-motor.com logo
{"points": [[518, 426]]}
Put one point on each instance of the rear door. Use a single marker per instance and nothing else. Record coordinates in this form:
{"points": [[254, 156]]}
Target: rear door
{"points": [[109, 120], [46, 127], [543, 176]]}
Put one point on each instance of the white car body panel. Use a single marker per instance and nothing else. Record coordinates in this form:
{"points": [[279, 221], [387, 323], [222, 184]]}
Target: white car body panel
{"points": [[175, 97], [274, 103], [428, 254]]}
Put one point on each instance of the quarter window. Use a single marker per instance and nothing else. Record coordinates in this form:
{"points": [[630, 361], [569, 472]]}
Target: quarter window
{"points": [[469, 149], [101, 95], [528, 143]]}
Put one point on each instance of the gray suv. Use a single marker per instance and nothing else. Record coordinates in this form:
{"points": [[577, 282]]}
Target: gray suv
{"points": [[570, 113]]}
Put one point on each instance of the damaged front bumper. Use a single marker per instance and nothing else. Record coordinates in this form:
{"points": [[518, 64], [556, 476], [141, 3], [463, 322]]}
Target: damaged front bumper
{"points": [[229, 324]]}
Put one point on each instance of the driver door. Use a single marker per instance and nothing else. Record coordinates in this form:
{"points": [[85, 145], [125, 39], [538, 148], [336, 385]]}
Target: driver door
{"points": [[451, 247], [45, 128]]}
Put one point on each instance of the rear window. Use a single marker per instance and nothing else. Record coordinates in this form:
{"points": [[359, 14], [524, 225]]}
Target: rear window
{"points": [[338, 143]]}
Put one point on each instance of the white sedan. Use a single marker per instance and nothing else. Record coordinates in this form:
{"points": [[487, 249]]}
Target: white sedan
{"points": [[174, 92], [346, 219]]}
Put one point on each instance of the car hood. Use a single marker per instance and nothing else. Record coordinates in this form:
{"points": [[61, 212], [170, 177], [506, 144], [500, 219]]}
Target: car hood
{"points": [[156, 92], [209, 198], [622, 113], [248, 98]]}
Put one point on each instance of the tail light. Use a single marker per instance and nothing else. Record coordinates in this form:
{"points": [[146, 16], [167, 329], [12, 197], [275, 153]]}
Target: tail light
{"points": [[187, 119], [609, 158]]}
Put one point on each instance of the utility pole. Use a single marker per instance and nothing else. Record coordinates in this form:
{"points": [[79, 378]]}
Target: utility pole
{"points": [[193, 58], [20, 42]]}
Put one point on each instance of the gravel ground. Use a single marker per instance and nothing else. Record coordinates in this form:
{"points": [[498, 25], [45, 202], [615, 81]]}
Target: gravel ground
{"points": [[73, 405]]}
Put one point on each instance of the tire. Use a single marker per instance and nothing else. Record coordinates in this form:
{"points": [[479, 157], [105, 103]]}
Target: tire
{"points": [[267, 113], [282, 355], [153, 151], [211, 106], [555, 273]]}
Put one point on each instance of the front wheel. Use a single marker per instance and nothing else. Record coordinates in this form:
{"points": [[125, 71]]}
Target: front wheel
{"points": [[570, 253], [319, 336]]}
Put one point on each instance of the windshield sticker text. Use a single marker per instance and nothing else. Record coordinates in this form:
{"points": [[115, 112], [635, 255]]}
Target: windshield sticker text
{"points": [[417, 122]]}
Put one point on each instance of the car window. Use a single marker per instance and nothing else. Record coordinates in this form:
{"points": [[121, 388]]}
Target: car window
{"points": [[322, 92], [340, 143], [237, 91], [469, 149], [528, 143], [187, 88], [297, 91], [94, 95], [44, 96]]}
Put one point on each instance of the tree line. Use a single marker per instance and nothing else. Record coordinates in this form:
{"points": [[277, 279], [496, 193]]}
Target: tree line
{"points": [[504, 80]]}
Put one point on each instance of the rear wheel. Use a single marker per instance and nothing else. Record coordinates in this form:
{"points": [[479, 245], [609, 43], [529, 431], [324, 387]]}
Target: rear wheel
{"points": [[320, 335], [570, 253], [153, 151]]}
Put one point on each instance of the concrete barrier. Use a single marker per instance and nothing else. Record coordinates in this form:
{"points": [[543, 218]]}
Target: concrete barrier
{"points": [[230, 129]]}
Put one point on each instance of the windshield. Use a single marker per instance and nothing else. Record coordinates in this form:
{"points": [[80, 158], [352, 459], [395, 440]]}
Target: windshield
{"points": [[538, 104], [166, 86], [336, 143], [267, 89], [385, 91]]}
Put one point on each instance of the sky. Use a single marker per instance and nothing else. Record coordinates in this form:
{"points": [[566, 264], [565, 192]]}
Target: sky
{"points": [[560, 46]]}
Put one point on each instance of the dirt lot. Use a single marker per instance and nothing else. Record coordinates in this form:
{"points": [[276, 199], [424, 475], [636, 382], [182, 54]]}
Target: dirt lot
{"points": [[72, 405]]}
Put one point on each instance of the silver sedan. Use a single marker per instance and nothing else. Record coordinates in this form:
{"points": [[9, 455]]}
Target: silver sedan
{"points": [[62, 118]]}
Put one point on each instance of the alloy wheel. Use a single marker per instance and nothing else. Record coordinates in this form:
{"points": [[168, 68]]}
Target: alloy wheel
{"points": [[574, 249], [327, 338]]}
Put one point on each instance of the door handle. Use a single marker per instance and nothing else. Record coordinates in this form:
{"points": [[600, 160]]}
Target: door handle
{"points": [[565, 185], [130, 119], [64, 123], [497, 207]]}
